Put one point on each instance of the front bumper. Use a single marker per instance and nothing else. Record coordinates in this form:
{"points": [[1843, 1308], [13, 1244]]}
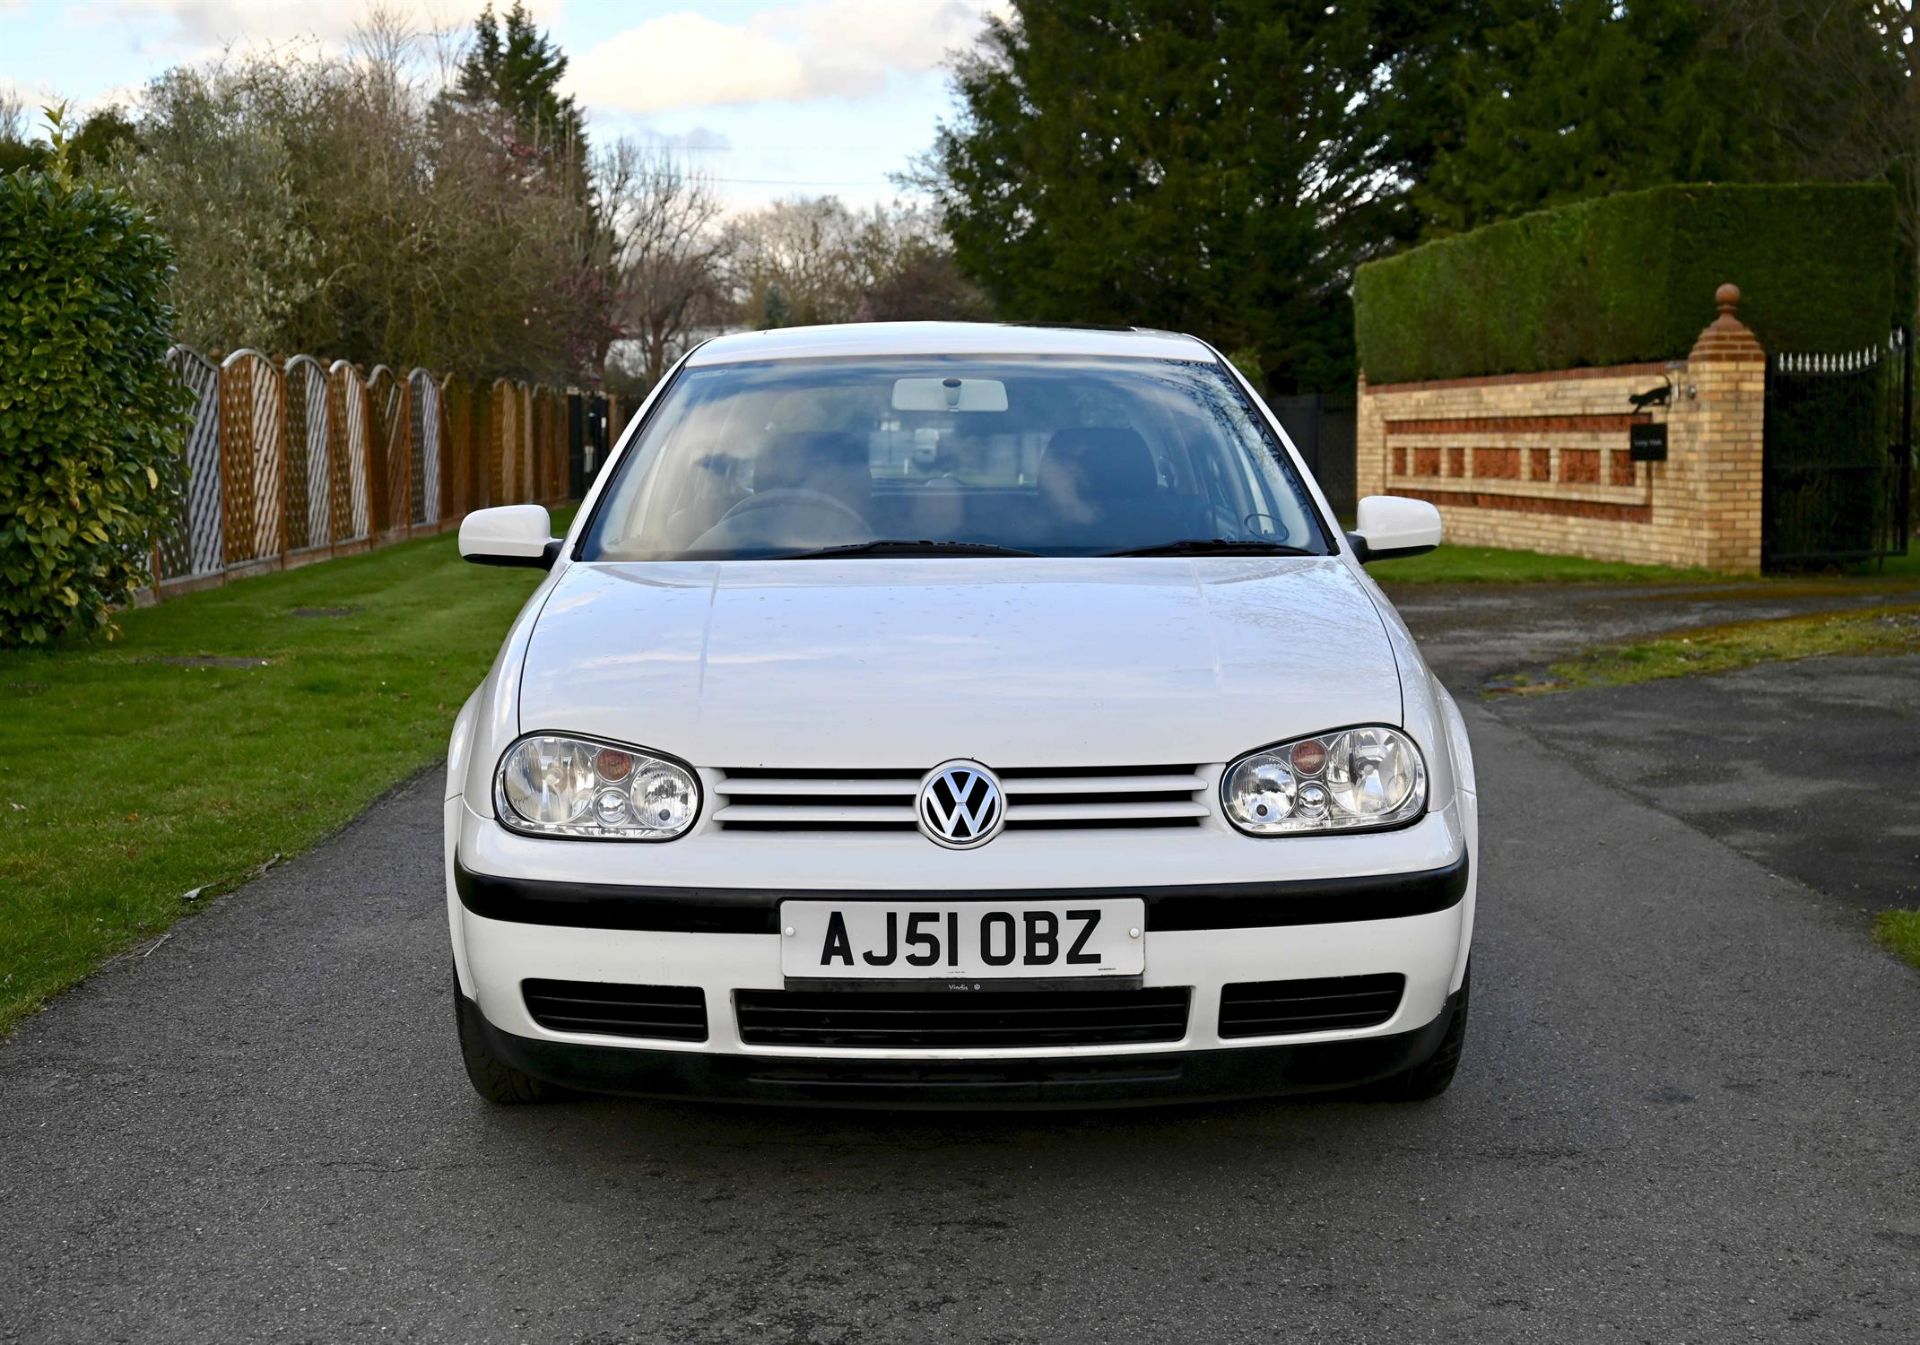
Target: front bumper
{"points": [[1084, 1078], [501, 955], [1393, 902]]}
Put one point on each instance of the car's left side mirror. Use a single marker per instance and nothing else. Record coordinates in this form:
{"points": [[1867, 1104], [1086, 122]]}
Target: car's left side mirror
{"points": [[1386, 526], [511, 534]]}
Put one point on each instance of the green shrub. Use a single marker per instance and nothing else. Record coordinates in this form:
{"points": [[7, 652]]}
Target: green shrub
{"points": [[91, 419], [1631, 277]]}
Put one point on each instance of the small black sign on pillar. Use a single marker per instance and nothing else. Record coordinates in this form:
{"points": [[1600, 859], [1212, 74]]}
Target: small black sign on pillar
{"points": [[1647, 442]]}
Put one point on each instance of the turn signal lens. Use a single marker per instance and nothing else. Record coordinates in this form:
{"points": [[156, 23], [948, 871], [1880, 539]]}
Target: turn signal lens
{"points": [[549, 785], [1352, 780]]}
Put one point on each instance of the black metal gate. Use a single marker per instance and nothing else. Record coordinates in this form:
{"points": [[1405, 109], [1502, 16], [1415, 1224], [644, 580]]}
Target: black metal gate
{"points": [[1324, 429], [1838, 468], [586, 439]]}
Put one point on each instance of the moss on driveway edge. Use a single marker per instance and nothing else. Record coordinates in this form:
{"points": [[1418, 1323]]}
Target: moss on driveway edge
{"points": [[1899, 933], [1888, 629], [223, 729]]}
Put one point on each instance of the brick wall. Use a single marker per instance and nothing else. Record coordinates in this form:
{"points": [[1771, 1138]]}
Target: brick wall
{"points": [[1541, 462]]}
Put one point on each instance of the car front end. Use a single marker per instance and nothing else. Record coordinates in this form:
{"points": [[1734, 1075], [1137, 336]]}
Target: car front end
{"points": [[944, 829]]}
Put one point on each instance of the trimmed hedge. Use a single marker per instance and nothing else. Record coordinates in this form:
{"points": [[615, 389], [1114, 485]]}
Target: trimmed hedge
{"points": [[91, 419], [1631, 277]]}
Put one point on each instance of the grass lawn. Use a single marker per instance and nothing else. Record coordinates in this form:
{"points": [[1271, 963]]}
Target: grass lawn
{"points": [[1492, 565], [1899, 934], [1895, 567], [1712, 649], [220, 730]]}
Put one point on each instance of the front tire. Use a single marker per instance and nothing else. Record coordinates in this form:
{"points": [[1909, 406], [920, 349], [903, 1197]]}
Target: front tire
{"points": [[492, 1078], [1432, 1076]]}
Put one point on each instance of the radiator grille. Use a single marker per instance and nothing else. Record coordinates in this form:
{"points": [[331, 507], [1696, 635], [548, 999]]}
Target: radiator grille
{"points": [[1275, 1008], [1038, 798], [660, 1012], [954, 1020]]}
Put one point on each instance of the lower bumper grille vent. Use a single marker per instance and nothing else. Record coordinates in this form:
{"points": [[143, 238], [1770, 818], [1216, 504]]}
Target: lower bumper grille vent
{"points": [[661, 1012], [957, 1020], [1272, 1008]]}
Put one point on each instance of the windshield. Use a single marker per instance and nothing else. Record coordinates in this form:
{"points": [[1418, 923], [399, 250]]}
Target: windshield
{"points": [[965, 455]]}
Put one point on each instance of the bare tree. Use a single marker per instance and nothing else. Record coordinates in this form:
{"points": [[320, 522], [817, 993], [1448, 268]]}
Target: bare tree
{"points": [[814, 260], [795, 263], [663, 219], [339, 204], [14, 122]]}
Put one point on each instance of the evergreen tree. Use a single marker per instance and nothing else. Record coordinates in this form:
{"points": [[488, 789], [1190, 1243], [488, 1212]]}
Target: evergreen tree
{"points": [[1189, 165], [515, 68], [1560, 100]]}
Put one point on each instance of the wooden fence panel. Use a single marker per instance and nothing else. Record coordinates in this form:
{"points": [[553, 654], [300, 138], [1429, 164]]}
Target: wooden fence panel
{"points": [[389, 429], [253, 427], [423, 423], [304, 458], [309, 455], [352, 496], [193, 545]]}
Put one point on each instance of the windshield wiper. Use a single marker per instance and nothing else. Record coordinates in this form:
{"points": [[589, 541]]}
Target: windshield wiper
{"points": [[893, 546], [1217, 546]]}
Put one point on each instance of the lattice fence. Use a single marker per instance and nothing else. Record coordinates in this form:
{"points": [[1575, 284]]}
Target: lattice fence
{"points": [[294, 461]]}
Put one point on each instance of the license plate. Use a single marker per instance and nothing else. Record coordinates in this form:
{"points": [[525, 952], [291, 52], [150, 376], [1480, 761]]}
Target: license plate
{"points": [[968, 940]]}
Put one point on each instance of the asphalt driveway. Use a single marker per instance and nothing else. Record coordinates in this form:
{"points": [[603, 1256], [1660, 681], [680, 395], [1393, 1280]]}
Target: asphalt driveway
{"points": [[1688, 1112], [1809, 767]]}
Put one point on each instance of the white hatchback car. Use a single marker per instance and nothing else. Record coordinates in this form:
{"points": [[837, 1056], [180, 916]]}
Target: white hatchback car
{"points": [[948, 714]]}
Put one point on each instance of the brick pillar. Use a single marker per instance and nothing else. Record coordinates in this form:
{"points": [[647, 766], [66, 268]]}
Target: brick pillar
{"points": [[1370, 444], [1722, 454]]}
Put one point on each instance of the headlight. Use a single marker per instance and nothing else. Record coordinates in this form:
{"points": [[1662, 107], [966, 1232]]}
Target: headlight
{"points": [[1351, 780], [549, 785]]}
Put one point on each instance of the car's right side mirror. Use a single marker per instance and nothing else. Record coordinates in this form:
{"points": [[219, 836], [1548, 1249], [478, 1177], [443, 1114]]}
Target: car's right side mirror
{"points": [[509, 534], [1386, 526]]}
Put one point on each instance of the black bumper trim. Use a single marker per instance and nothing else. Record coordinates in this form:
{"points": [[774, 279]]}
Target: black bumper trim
{"points": [[734, 910], [1085, 1080]]}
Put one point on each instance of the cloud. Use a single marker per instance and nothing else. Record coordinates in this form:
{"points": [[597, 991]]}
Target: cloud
{"points": [[199, 27], [814, 49], [700, 138]]}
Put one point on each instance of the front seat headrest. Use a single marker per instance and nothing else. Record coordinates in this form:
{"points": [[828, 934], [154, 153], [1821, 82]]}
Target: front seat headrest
{"points": [[1096, 463], [830, 461]]}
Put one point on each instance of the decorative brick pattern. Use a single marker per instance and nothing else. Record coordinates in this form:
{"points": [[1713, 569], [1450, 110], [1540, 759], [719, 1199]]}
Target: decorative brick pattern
{"points": [[1530, 425], [1580, 492], [1497, 463], [1535, 504], [1580, 466]]}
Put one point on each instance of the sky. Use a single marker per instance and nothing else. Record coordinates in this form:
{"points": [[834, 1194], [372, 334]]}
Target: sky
{"points": [[773, 98]]}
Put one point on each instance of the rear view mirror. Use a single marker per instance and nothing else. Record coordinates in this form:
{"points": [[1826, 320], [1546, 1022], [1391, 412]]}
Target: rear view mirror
{"points": [[949, 394], [1387, 526], [511, 534]]}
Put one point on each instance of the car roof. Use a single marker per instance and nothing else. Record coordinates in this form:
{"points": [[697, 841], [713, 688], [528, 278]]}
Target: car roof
{"points": [[945, 338]]}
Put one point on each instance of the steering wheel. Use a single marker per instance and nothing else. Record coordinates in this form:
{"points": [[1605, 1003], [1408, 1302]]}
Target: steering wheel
{"points": [[797, 497]]}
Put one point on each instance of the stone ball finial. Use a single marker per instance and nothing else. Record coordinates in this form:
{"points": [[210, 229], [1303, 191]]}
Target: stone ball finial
{"points": [[1726, 337]]}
